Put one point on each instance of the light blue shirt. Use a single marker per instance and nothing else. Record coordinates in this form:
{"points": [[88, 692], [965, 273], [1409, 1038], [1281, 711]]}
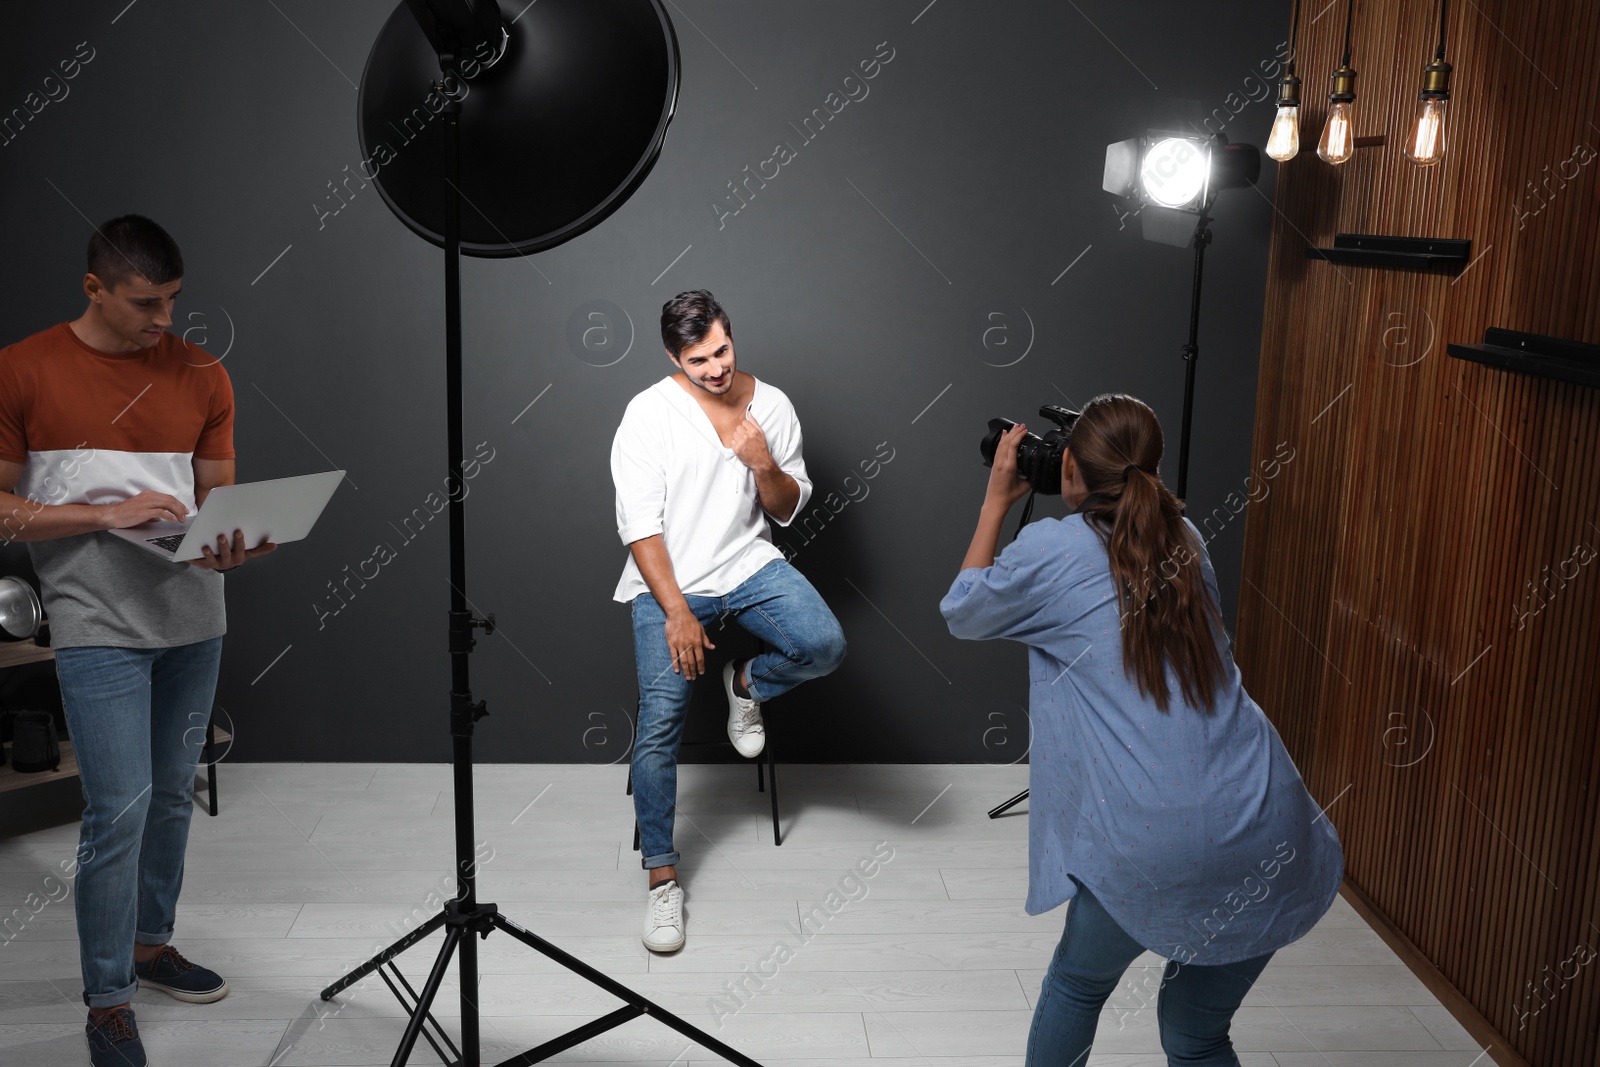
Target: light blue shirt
{"points": [[1193, 830]]}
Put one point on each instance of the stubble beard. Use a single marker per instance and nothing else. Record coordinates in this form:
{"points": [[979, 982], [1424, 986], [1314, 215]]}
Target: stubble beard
{"points": [[726, 388]]}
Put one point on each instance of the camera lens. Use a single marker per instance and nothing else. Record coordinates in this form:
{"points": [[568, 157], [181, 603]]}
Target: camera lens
{"points": [[991, 440], [1038, 458]]}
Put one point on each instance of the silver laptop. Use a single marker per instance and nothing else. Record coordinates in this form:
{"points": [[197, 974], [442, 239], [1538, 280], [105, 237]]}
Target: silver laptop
{"points": [[283, 509]]}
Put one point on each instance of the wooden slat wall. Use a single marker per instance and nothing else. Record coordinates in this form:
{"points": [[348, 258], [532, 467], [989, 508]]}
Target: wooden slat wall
{"points": [[1384, 576]]}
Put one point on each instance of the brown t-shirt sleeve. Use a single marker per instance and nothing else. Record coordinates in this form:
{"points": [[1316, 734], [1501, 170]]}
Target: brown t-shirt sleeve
{"points": [[216, 440], [13, 432]]}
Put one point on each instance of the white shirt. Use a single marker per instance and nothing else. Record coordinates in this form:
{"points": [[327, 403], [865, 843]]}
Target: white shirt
{"points": [[675, 477]]}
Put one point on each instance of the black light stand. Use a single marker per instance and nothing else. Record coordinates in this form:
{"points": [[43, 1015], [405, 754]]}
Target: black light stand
{"points": [[466, 919], [1191, 354], [1191, 351]]}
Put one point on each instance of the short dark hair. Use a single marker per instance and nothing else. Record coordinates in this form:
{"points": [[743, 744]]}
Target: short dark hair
{"points": [[687, 318], [132, 244]]}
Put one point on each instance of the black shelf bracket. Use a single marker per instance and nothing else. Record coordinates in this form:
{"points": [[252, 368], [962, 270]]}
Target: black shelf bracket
{"points": [[1405, 253], [1535, 354]]}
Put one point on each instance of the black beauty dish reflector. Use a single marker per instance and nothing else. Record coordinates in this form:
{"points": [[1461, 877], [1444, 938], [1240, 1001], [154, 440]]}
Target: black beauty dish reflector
{"points": [[564, 108]]}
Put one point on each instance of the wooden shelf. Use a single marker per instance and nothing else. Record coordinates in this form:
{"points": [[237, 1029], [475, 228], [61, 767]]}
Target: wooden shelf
{"points": [[11, 778], [16, 653]]}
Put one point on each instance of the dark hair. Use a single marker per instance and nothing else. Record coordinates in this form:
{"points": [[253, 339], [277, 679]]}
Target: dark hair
{"points": [[1167, 612], [687, 318], [132, 244]]}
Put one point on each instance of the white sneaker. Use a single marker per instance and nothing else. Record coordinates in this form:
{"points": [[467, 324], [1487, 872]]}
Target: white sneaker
{"points": [[663, 918], [745, 729]]}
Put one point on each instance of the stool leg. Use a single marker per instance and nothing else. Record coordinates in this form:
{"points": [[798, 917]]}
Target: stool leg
{"points": [[772, 769], [629, 791], [637, 704], [761, 786], [208, 754]]}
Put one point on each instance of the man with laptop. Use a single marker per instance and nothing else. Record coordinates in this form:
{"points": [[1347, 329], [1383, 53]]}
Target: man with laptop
{"points": [[109, 422]]}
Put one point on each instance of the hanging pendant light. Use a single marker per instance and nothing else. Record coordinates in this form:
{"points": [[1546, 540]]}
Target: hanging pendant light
{"points": [[1425, 145], [1338, 142], [1283, 144]]}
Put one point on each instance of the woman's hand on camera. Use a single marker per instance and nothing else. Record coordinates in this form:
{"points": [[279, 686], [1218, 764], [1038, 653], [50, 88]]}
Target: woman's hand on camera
{"points": [[1006, 484], [1006, 487]]}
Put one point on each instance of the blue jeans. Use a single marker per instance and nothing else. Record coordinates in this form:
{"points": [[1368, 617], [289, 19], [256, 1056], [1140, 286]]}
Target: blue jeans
{"points": [[776, 604], [1194, 1008], [138, 720]]}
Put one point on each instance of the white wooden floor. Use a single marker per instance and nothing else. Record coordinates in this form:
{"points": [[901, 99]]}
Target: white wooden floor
{"points": [[310, 868]]}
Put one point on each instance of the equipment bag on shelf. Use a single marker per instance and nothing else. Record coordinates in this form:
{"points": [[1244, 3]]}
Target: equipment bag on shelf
{"points": [[34, 745]]}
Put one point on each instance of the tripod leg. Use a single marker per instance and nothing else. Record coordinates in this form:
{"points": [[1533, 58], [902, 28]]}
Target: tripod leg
{"points": [[469, 998], [408, 999], [430, 989], [383, 957], [1001, 809], [540, 1053], [637, 1004]]}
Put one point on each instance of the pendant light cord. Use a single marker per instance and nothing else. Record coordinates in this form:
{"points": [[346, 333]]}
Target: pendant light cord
{"points": [[1349, 20], [1294, 36], [1444, 5]]}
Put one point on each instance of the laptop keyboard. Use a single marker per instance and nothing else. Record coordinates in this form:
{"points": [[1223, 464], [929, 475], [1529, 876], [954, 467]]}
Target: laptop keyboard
{"points": [[170, 542]]}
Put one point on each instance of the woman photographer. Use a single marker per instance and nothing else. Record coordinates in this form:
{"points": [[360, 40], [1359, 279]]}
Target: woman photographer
{"points": [[1162, 802]]}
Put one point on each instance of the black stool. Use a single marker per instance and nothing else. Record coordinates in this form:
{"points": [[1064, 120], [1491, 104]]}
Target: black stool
{"points": [[765, 769]]}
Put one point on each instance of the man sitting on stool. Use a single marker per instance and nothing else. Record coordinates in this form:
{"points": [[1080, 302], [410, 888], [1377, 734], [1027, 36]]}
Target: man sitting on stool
{"points": [[699, 456]]}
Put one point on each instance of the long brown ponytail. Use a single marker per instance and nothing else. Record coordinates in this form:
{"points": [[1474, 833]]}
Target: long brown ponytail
{"points": [[1167, 611]]}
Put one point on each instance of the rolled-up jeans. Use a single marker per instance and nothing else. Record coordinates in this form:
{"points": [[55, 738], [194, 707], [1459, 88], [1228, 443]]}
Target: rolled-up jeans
{"points": [[138, 719], [804, 641]]}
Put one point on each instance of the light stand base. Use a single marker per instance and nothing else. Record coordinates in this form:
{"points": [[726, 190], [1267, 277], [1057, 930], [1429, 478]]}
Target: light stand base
{"points": [[483, 920]]}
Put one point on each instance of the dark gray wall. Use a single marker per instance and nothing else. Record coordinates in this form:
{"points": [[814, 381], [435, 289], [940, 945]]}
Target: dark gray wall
{"points": [[913, 247]]}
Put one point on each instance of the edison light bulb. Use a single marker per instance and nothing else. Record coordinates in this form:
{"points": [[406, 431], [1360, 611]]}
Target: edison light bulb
{"points": [[1283, 144], [1338, 142], [1425, 146]]}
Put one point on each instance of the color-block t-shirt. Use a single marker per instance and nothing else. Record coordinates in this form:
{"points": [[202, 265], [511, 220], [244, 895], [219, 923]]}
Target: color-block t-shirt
{"points": [[93, 427]]}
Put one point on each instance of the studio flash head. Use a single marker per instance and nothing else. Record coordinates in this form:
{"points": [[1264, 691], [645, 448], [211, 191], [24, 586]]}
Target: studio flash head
{"points": [[1038, 458]]}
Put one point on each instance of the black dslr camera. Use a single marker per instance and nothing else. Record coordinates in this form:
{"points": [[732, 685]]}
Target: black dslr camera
{"points": [[1038, 458]]}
